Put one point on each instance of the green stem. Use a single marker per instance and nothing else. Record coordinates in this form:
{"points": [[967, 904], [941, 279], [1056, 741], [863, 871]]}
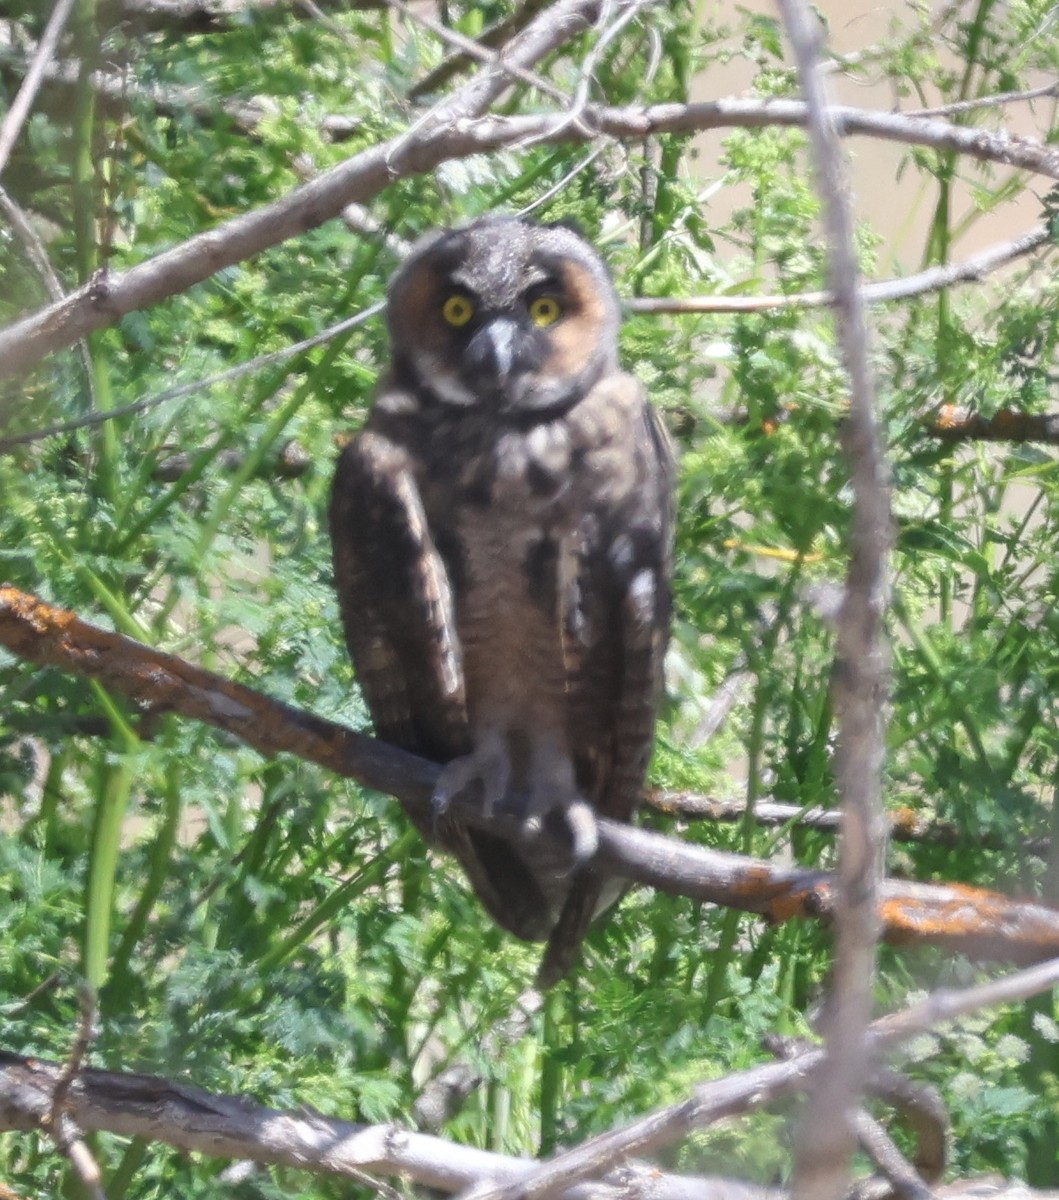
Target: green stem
{"points": [[112, 801], [158, 873], [339, 899]]}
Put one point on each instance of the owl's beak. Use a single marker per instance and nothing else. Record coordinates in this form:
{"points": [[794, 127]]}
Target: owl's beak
{"points": [[493, 349]]}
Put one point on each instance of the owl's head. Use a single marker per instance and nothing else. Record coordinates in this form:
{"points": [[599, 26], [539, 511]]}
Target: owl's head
{"points": [[503, 314]]}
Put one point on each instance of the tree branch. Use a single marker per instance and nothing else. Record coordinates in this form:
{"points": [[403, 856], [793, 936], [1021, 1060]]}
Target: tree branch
{"points": [[971, 920], [750, 1090], [955, 424], [881, 292], [233, 1126], [224, 1126], [904, 824], [450, 133], [859, 677]]}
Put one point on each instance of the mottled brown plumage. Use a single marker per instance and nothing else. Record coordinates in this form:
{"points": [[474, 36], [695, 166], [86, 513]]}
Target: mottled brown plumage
{"points": [[502, 529]]}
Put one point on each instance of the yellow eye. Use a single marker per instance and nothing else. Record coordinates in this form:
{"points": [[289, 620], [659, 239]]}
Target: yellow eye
{"points": [[545, 310], [457, 310]]}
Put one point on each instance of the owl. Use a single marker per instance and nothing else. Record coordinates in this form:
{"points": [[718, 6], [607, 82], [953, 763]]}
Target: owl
{"points": [[502, 533]]}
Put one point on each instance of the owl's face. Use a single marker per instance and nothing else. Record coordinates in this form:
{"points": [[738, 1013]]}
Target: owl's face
{"points": [[503, 315]]}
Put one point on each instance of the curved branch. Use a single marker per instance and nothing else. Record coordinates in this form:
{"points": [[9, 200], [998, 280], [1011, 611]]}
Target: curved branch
{"points": [[971, 920], [449, 133]]}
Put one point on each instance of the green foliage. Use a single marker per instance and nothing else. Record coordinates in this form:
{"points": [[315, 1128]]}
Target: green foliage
{"points": [[257, 926]]}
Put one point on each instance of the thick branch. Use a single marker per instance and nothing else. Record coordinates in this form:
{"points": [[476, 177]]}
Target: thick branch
{"points": [[232, 1126], [954, 424], [971, 920], [221, 1126], [448, 135]]}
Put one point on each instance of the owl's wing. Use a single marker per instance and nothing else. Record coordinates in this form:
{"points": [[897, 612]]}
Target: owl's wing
{"points": [[616, 627], [396, 601]]}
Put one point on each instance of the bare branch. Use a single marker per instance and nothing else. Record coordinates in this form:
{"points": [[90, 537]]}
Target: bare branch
{"points": [[450, 134], [473, 50], [904, 824], [747, 1091], [992, 101], [495, 35], [972, 920], [859, 684], [235, 1127]]}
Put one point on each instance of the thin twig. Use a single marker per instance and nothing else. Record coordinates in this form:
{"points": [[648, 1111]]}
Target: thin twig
{"points": [[471, 49], [199, 385], [495, 35], [904, 824], [992, 101], [33, 246], [12, 123], [972, 270], [57, 1121]]}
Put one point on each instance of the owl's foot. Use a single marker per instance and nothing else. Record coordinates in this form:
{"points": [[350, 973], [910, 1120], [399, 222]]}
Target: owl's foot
{"points": [[574, 823], [488, 767]]}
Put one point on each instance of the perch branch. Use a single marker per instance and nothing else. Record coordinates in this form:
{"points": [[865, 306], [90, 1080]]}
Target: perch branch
{"points": [[972, 920], [451, 133]]}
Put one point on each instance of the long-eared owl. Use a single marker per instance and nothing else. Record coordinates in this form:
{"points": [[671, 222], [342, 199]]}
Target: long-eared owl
{"points": [[502, 531]]}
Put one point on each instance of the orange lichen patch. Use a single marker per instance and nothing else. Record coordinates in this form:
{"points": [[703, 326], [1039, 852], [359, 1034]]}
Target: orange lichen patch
{"points": [[950, 416], [802, 903], [973, 920], [903, 818]]}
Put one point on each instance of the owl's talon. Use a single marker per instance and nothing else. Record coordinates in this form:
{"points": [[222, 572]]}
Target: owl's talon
{"points": [[584, 832], [486, 771]]}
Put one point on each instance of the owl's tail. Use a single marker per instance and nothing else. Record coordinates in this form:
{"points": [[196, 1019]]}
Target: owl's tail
{"points": [[564, 942]]}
